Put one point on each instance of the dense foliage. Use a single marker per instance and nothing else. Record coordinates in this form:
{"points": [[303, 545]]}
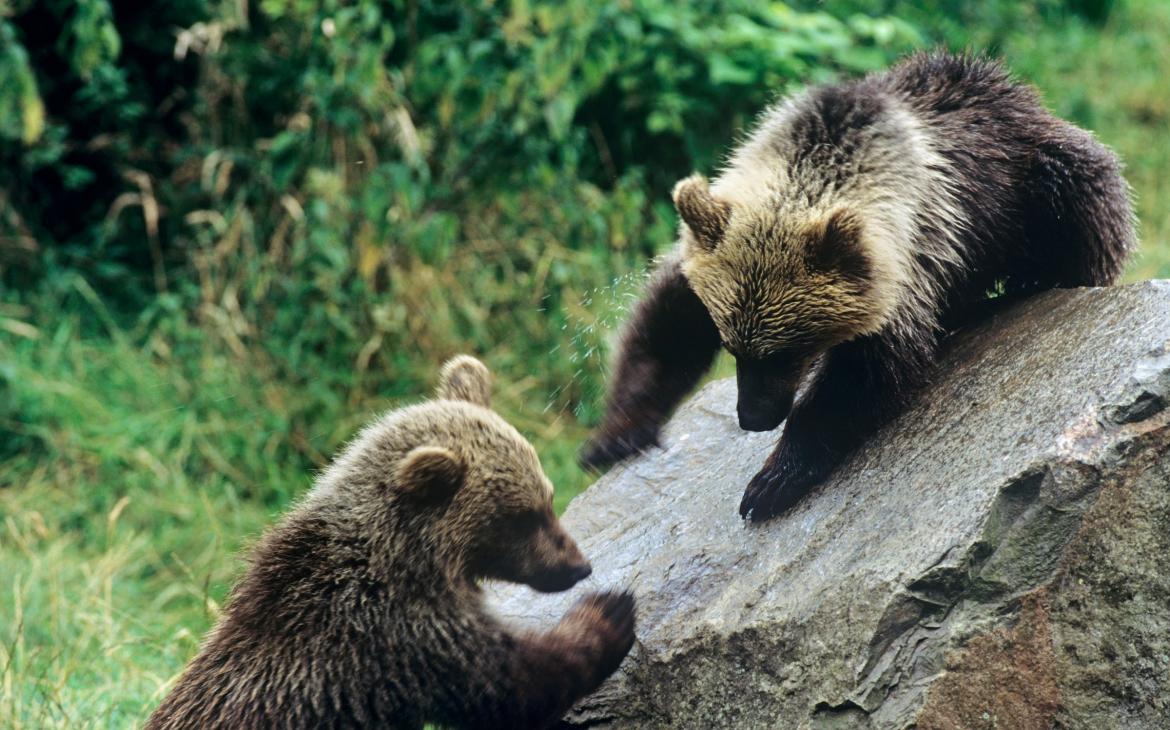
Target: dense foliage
{"points": [[231, 231], [439, 101]]}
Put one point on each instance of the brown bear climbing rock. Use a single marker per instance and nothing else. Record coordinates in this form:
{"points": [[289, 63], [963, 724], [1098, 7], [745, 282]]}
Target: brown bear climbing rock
{"points": [[854, 228], [362, 608]]}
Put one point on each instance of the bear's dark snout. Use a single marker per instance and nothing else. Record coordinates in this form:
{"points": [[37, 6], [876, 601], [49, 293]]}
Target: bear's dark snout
{"points": [[765, 394], [581, 572], [560, 578], [761, 417], [555, 563]]}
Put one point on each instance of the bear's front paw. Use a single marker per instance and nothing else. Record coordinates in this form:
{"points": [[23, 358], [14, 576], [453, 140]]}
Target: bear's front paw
{"points": [[781, 484], [607, 619], [605, 450]]}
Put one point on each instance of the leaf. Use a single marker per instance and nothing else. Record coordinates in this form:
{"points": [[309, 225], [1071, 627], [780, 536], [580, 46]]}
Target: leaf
{"points": [[722, 70], [558, 114]]}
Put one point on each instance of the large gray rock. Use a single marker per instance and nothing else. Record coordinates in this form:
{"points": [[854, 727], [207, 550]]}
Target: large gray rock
{"points": [[997, 557]]}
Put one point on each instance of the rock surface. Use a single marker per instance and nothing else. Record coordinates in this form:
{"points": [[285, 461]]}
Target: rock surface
{"points": [[997, 557]]}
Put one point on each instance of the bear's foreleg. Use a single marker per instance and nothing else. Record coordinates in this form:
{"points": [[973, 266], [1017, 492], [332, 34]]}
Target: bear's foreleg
{"points": [[531, 680], [860, 384], [666, 347]]}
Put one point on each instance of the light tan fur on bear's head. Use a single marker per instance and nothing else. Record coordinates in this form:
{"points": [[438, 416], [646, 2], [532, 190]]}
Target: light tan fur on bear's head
{"points": [[452, 474], [775, 282]]}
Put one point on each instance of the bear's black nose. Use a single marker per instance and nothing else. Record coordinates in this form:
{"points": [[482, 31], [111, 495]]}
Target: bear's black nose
{"points": [[760, 419], [560, 578], [581, 572], [764, 393]]}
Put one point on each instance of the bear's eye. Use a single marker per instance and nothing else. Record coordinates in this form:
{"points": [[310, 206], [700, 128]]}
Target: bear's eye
{"points": [[525, 521]]}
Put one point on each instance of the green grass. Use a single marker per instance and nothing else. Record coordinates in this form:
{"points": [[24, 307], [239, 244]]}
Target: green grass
{"points": [[139, 456], [122, 516]]}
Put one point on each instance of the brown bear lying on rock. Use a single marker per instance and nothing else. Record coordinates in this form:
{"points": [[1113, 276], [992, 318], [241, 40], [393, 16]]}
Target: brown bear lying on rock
{"points": [[362, 608]]}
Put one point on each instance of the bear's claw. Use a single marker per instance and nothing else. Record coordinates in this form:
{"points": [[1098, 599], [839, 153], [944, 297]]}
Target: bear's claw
{"points": [[779, 486]]}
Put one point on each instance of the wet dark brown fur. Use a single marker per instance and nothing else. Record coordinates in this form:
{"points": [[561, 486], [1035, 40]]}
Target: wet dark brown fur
{"points": [[362, 607], [849, 233]]}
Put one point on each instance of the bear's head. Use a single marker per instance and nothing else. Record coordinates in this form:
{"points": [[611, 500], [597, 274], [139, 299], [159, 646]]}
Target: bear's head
{"points": [[466, 487], [781, 288]]}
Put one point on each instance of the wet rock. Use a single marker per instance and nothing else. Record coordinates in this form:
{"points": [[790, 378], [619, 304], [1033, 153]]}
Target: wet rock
{"points": [[998, 556]]}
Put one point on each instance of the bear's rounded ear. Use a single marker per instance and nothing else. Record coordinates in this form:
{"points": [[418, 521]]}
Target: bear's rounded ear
{"points": [[838, 249], [430, 473], [706, 216], [465, 378]]}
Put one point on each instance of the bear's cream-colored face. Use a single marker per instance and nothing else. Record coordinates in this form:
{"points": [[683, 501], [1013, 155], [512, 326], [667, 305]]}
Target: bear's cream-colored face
{"points": [[780, 291], [496, 502]]}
